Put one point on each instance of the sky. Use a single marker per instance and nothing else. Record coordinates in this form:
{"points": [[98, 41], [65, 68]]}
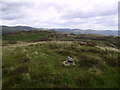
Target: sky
{"points": [[82, 14]]}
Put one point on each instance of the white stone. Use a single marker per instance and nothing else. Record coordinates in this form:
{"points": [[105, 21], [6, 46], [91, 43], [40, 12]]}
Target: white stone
{"points": [[69, 62]]}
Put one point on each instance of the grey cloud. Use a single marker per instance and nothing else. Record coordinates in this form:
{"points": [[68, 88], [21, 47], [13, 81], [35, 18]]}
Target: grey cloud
{"points": [[107, 21], [63, 15], [89, 14], [12, 17], [13, 10], [6, 6]]}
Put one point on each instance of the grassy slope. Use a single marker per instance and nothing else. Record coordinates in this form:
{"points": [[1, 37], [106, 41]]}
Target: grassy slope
{"points": [[40, 65]]}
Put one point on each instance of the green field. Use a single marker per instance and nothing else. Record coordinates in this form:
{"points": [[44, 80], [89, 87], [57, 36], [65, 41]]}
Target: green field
{"points": [[25, 36], [40, 65]]}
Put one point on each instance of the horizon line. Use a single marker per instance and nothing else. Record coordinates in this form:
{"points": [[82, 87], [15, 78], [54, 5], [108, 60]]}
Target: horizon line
{"points": [[57, 27]]}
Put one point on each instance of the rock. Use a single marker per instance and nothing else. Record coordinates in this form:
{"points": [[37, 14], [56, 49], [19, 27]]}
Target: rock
{"points": [[69, 62], [35, 53]]}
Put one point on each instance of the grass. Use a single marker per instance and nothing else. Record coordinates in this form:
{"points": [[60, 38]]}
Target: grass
{"points": [[39, 66], [25, 36]]}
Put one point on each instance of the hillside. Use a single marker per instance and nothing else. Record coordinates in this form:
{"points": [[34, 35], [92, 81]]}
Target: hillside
{"points": [[33, 59], [89, 31], [36, 36], [7, 29]]}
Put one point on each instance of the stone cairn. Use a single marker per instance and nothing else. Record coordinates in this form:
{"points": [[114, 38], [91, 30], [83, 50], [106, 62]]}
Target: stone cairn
{"points": [[69, 62]]}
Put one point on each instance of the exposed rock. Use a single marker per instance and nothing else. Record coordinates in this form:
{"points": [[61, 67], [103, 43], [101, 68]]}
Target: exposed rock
{"points": [[69, 62], [35, 53]]}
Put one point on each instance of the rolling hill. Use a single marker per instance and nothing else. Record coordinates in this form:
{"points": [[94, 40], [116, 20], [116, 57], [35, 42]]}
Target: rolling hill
{"points": [[7, 29]]}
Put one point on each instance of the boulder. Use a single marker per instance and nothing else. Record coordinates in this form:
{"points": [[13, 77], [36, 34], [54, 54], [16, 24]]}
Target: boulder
{"points": [[69, 62]]}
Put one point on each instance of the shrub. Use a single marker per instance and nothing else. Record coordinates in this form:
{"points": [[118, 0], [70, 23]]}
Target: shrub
{"points": [[24, 59], [86, 61], [20, 70], [113, 60], [64, 52], [12, 42]]}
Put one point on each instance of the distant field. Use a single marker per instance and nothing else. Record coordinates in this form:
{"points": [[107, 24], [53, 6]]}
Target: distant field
{"points": [[36, 36], [25, 36]]}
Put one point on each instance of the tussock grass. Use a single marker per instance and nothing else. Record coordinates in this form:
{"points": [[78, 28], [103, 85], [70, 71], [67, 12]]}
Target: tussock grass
{"points": [[40, 66]]}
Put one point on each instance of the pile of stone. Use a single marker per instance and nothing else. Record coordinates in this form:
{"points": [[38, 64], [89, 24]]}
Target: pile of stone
{"points": [[69, 62]]}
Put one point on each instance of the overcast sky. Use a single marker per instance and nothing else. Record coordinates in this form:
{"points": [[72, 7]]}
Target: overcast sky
{"points": [[83, 14]]}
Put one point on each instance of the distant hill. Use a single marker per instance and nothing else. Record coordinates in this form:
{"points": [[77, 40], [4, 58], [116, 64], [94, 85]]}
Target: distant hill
{"points": [[7, 29], [24, 27], [102, 32]]}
